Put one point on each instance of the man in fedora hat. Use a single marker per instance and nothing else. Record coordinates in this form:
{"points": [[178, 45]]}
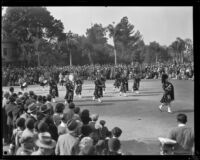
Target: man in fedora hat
{"points": [[66, 142], [32, 111], [45, 143]]}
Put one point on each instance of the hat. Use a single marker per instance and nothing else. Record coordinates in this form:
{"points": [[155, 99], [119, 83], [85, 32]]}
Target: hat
{"points": [[20, 122], [32, 108], [44, 108], [45, 141], [114, 144], [116, 131], [94, 117], [72, 125], [71, 105]]}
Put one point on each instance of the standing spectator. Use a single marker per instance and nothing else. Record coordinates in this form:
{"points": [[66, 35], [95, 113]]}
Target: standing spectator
{"points": [[86, 146], [103, 130], [26, 147], [183, 135], [66, 142], [58, 113]]}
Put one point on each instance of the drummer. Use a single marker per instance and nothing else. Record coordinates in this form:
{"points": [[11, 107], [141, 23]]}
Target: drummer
{"points": [[42, 81], [23, 84]]}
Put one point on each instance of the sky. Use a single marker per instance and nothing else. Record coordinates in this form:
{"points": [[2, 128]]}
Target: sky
{"points": [[160, 24]]}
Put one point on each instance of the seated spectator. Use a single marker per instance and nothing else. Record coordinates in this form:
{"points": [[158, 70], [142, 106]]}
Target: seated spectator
{"points": [[58, 113], [66, 142], [45, 143], [183, 135], [114, 146], [86, 146]]}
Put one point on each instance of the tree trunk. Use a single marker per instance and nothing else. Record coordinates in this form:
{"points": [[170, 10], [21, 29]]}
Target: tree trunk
{"points": [[90, 58], [70, 58], [115, 56]]}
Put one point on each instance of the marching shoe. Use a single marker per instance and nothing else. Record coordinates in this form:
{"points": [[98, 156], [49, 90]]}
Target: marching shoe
{"points": [[120, 93], [125, 95], [132, 90], [169, 110], [99, 100], [160, 107], [137, 92], [93, 98], [80, 96]]}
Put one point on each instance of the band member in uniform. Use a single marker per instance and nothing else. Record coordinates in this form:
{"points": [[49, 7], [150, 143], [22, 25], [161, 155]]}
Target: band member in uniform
{"points": [[23, 83], [103, 81], [53, 90], [61, 79], [124, 81], [42, 81], [79, 83], [98, 92], [168, 95], [136, 83], [69, 89], [117, 80]]}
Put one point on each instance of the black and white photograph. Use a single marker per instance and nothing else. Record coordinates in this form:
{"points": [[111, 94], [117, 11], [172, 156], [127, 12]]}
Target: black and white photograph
{"points": [[97, 80]]}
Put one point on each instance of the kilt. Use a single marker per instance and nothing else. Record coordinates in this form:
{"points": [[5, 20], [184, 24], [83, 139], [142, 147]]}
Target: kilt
{"points": [[98, 92], [69, 96], [166, 98], [123, 88]]}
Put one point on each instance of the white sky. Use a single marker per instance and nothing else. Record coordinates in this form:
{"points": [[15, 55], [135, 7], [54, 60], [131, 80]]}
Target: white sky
{"points": [[161, 24]]}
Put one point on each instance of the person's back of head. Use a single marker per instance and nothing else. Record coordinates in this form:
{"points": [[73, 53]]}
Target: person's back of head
{"points": [[29, 123], [49, 98], [182, 118], [77, 110], [11, 89], [116, 132], [39, 99]]}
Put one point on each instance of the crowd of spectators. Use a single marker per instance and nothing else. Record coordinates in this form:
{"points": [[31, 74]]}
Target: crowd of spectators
{"points": [[11, 74], [37, 126]]}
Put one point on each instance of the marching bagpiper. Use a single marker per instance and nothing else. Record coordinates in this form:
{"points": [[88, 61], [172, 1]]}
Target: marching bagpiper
{"points": [[23, 84], [168, 95], [79, 83], [136, 83], [43, 82], [124, 81], [69, 89], [117, 80], [53, 90], [103, 81], [98, 92]]}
